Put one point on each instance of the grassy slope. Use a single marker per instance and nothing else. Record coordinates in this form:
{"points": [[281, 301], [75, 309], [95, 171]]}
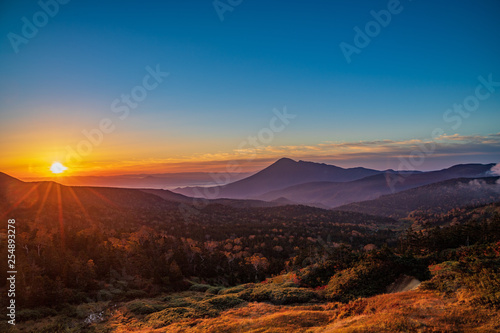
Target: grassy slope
{"points": [[462, 295], [408, 311], [412, 311]]}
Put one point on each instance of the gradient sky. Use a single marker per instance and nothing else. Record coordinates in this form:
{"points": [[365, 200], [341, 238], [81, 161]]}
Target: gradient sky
{"points": [[226, 77]]}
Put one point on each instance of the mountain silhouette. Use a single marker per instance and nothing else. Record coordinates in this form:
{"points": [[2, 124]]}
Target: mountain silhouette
{"points": [[334, 194], [434, 198], [283, 173]]}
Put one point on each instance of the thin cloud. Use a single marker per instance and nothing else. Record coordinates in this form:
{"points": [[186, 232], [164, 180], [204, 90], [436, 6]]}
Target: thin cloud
{"points": [[254, 158]]}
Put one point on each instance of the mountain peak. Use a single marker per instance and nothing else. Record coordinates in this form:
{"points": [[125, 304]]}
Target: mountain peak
{"points": [[283, 173], [284, 160]]}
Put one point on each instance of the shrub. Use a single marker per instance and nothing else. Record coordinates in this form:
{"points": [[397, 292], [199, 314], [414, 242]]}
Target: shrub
{"points": [[277, 294], [480, 276], [168, 316], [446, 278], [363, 280], [223, 302], [213, 290], [372, 275], [66, 310], [144, 307], [200, 287], [133, 294], [28, 314], [232, 290], [353, 308], [34, 314], [115, 291], [181, 301], [293, 295], [104, 295]]}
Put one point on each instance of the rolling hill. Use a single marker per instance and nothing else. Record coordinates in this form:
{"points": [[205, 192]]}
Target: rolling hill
{"points": [[434, 198], [236, 203], [334, 194], [283, 173], [328, 186], [15, 193]]}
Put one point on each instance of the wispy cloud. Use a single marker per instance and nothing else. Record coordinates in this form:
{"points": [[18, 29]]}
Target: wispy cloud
{"points": [[378, 154], [445, 145], [364, 153]]}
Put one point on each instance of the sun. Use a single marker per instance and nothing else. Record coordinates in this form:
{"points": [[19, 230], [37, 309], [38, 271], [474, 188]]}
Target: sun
{"points": [[57, 167]]}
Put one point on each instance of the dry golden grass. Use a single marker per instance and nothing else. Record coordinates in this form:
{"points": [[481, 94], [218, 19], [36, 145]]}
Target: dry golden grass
{"points": [[416, 311], [260, 317], [411, 311]]}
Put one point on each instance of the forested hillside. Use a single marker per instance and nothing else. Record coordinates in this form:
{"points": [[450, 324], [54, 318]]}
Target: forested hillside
{"points": [[99, 259]]}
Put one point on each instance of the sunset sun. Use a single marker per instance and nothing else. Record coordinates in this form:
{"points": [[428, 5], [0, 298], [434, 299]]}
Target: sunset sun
{"points": [[57, 168]]}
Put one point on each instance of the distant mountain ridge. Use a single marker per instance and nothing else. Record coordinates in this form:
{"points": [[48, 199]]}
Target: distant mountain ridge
{"points": [[328, 186], [433, 198], [330, 194], [236, 203], [15, 193], [268, 188], [155, 181], [283, 173]]}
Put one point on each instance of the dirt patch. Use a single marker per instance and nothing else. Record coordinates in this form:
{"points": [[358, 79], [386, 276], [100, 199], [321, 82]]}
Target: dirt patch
{"points": [[403, 283]]}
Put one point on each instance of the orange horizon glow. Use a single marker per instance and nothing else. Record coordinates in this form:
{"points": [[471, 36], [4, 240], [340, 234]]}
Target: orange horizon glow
{"points": [[27, 162]]}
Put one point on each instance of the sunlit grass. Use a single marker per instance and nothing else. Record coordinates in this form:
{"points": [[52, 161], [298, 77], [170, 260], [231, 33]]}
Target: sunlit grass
{"points": [[412, 311]]}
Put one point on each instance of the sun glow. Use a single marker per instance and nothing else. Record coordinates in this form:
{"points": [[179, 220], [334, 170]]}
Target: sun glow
{"points": [[57, 167]]}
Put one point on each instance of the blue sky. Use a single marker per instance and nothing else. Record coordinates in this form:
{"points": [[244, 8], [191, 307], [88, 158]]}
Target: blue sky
{"points": [[227, 76]]}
